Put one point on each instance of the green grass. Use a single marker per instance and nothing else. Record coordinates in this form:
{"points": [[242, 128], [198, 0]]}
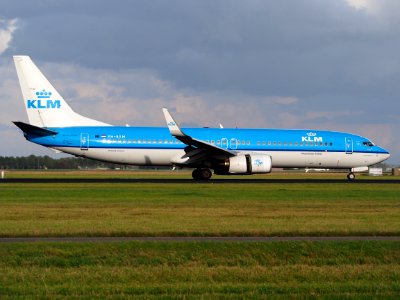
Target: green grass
{"points": [[219, 209], [201, 270], [143, 270]]}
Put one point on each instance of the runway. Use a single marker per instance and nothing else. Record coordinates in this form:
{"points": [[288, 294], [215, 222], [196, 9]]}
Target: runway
{"points": [[191, 181], [198, 239]]}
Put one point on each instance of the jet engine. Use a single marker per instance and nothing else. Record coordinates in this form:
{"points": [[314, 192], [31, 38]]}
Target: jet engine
{"points": [[246, 164]]}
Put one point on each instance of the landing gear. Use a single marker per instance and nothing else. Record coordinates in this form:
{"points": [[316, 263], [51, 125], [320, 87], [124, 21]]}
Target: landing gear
{"points": [[351, 176], [201, 174]]}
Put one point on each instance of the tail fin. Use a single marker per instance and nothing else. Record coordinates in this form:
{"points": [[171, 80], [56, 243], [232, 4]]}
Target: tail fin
{"points": [[44, 105]]}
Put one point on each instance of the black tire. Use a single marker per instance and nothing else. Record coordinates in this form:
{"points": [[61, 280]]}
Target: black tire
{"points": [[205, 174], [196, 174], [351, 176], [201, 174]]}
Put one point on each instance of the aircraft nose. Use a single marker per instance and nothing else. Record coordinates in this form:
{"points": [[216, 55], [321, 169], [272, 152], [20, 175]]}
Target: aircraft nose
{"points": [[385, 155]]}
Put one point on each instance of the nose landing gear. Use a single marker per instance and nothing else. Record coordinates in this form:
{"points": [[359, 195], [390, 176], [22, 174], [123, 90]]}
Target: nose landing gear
{"points": [[351, 176], [201, 174]]}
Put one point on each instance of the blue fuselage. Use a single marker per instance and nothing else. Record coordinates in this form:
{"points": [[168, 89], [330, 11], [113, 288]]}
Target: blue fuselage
{"points": [[86, 140]]}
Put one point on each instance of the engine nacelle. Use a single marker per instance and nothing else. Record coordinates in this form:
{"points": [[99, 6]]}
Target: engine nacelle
{"points": [[249, 164]]}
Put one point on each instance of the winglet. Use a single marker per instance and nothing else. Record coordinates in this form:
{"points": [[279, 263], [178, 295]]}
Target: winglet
{"points": [[172, 125]]}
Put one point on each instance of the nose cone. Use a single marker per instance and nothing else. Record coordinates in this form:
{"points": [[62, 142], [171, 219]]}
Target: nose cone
{"points": [[383, 154]]}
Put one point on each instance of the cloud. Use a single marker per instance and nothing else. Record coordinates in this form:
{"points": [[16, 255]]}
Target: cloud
{"points": [[362, 4], [285, 100], [7, 28], [386, 9]]}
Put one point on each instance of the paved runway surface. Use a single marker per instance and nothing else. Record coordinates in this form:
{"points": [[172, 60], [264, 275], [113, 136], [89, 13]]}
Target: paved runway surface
{"points": [[195, 239], [212, 181]]}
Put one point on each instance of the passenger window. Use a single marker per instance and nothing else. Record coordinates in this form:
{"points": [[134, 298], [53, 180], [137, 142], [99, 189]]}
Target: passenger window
{"points": [[263, 143], [258, 143], [218, 142], [248, 142]]}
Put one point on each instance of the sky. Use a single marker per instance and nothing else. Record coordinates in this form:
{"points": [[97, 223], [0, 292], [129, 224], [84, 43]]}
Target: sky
{"points": [[312, 64]]}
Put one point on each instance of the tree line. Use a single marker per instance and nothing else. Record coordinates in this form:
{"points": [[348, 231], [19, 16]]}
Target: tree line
{"points": [[47, 162]]}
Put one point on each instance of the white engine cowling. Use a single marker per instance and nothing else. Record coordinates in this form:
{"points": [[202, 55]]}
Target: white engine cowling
{"points": [[250, 164]]}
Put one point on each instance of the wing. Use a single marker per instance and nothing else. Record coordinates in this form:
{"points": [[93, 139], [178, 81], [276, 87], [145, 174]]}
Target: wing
{"points": [[197, 151]]}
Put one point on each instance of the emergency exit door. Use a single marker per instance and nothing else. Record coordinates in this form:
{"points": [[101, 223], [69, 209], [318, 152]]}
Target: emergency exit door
{"points": [[349, 145], [84, 141]]}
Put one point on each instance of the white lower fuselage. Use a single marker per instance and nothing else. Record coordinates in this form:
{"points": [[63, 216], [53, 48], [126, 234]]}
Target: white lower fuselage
{"points": [[280, 159]]}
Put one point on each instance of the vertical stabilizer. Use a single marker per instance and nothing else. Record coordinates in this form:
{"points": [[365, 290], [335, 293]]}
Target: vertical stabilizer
{"points": [[44, 105]]}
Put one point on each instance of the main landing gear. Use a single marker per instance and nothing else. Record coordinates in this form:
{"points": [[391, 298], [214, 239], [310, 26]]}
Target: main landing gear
{"points": [[351, 176], [201, 174]]}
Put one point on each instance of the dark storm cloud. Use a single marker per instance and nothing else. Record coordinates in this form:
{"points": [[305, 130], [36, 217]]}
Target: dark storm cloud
{"points": [[258, 47]]}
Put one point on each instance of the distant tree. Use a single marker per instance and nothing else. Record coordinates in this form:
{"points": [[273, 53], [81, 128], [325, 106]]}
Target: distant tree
{"points": [[46, 162]]}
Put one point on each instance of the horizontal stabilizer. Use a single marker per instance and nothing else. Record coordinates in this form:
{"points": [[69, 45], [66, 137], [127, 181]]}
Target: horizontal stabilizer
{"points": [[34, 130]]}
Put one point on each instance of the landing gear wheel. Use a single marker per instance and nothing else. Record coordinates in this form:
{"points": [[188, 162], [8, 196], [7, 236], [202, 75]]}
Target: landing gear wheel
{"points": [[196, 174], [201, 174], [351, 176]]}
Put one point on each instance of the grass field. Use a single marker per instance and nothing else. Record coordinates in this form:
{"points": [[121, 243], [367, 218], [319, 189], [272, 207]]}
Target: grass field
{"points": [[334, 270], [361, 270], [197, 209]]}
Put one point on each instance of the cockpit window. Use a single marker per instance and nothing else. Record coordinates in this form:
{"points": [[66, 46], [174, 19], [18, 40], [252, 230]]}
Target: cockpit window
{"points": [[368, 143]]}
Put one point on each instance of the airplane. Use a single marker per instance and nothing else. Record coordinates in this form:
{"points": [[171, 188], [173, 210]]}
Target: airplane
{"points": [[222, 151]]}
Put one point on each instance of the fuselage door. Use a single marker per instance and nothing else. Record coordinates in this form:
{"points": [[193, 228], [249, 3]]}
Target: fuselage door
{"points": [[224, 143], [84, 141], [349, 145], [233, 144]]}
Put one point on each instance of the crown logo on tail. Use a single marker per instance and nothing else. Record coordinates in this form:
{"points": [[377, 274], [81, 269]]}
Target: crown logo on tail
{"points": [[43, 94]]}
